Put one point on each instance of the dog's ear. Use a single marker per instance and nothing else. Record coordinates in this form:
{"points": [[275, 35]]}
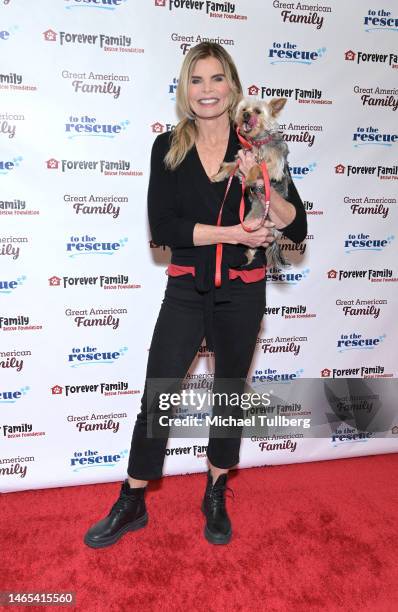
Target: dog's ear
{"points": [[276, 105]]}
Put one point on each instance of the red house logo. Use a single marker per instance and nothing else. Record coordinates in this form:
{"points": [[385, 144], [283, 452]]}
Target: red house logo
{"points": [[54, 281], [50, 35], [253, 90], [160, 2], [332, 274], [339, 169], [325, 373], [349, 55], [52, 164], [56, 390], [157, 127]]}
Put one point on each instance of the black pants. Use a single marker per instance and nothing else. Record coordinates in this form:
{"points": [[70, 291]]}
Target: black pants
{"points": [[177, 336]]}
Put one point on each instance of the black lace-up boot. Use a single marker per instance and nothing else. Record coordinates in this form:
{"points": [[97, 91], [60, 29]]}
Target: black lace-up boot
{"points": [[127, 514], [218, 526]]}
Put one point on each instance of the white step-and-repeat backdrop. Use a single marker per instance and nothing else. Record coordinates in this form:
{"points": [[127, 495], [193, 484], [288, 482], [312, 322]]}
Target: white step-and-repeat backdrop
{"points": [[86, 85]]}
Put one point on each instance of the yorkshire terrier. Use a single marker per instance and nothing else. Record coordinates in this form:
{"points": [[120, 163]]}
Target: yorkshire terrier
{"points": [[257, 123]]}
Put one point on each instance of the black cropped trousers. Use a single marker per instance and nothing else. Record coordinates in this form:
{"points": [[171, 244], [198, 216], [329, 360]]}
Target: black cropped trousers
{"points": [[177, 336]]}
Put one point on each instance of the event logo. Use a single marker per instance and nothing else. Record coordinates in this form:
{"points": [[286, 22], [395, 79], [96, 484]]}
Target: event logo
{"points": [[377, 205], [270, 375], [197, 451], [96, 317], [288, 53], [378, 96], [349, 342], [8, 246], [90, 354], [8, 125], [89, 245], [289, 312], [374, 276], [345, 434], [13, 82], [103, 166], [11, 359], [361, 308], [361, 372], [381, 172], [159, 128], [287, 246], [391, 59], [16, 207], [106, 389], [309, 208], [173, 88], [8, 286], [216, 10], [13, 396], [13, 466], [278, 276], [105, 86], [291, 344], [120, 281], [95, 205], [363, 242], [17, 323], [92, 459], [302, 96], [105, 42], [187, 40], [106, 5], [204, 351], [88, 127], [380, 19], [269, 443], [310, 15], [8, 165], [300, 133], [101, 422], [25, 430], [300, 172], [371, 136]]}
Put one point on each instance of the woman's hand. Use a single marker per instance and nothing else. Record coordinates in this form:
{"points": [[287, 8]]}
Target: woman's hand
{"points": [[262, 237], [247, 161]]}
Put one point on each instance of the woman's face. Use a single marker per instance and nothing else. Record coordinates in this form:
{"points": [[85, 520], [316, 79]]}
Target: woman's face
{"points": [[208, 89]]}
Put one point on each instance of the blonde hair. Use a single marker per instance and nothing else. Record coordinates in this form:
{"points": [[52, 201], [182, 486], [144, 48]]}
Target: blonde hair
{"points": [[183, 136]]}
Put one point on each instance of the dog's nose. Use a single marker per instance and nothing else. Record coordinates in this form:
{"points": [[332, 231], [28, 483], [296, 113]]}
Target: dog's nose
{"points": [[246, 116]]}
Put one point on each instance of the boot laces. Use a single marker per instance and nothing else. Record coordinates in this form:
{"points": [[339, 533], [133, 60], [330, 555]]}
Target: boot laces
{"points": [[217, 498], [123, 503]]}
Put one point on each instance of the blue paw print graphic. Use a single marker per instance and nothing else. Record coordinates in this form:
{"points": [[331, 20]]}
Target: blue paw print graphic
{"points": [[123, 350], [321, 52], [124, 124], [123, 241]]}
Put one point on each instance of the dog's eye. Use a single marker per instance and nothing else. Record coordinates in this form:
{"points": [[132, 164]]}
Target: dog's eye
{"points": [[257, 110], [243, 109]]}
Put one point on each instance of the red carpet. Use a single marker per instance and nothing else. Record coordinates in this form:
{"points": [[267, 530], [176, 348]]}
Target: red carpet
{"points": [[307, 537]]}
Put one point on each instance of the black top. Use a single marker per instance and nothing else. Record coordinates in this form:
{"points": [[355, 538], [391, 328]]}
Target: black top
{"points": [[179, 199]]}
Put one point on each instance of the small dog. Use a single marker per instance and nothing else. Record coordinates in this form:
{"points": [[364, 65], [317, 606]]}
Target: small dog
{"points": [[257, 123]]}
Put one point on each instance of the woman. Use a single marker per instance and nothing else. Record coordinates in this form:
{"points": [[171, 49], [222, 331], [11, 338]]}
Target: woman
{"points": [[183, 206]]}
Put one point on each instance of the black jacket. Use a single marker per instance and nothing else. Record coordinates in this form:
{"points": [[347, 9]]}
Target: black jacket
{"points": [[179, 199]]}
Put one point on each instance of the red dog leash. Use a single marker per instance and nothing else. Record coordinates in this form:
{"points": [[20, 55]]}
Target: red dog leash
{"points": [[219, 248]]}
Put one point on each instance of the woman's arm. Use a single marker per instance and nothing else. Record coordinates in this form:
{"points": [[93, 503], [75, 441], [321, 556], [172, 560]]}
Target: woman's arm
{"points": [[168, 228], [234, 234]]}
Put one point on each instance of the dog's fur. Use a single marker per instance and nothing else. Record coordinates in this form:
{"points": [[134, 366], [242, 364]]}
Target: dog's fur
{"points": [[257, 121]]}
